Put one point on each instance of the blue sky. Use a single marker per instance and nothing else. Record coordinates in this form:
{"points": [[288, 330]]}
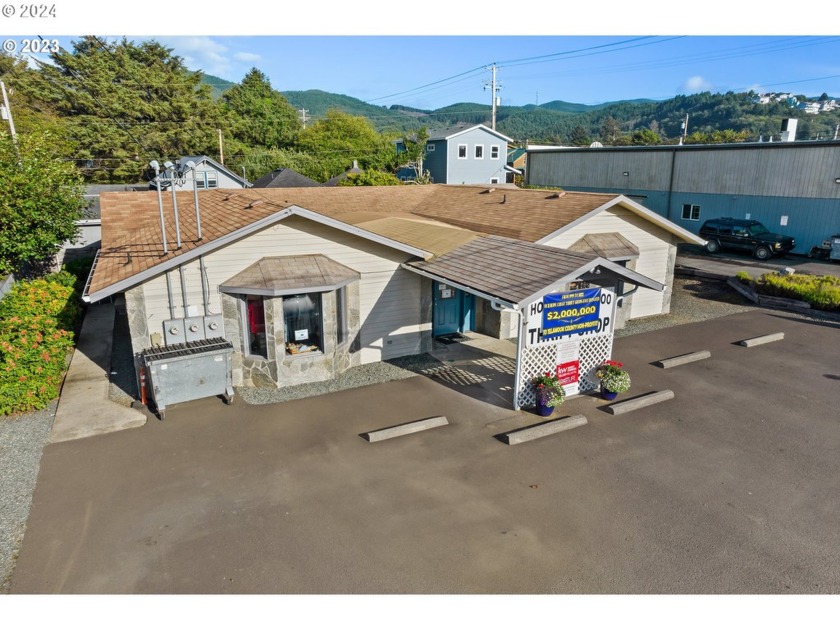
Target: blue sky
{"points": [[434, 55], [433, 71]]}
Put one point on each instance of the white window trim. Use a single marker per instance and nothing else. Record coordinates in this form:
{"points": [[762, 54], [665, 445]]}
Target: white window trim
{"points": [[691, 208], [342, 331], [430, 147], [495, 147], [246, 333], [475, 151], [494, 180], [466, 152], [320, 351]]}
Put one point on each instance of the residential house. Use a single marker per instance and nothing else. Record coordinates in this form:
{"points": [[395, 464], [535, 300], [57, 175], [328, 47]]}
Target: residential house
{"points": [[207, 174], [284, 178], [353, 170], [516, 160], [307, 282], [464, 154]]}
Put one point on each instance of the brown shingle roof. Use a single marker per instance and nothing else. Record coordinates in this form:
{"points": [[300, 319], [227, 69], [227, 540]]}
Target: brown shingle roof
{"points": [[132, 244]]}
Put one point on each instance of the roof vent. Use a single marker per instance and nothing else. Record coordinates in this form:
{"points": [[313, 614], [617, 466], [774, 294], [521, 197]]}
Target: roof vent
{"points": [[488, 190], [556, 195], [256, 202]]}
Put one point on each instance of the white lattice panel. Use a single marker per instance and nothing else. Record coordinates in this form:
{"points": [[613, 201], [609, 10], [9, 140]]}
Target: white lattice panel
{"points": [[594, 349]]}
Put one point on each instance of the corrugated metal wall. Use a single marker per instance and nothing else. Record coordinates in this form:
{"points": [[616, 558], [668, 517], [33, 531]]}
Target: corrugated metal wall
{"points": [[791, 188]]}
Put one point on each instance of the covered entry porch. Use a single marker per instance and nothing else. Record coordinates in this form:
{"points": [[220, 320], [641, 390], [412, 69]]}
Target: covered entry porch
{"points": [[512, 277]]}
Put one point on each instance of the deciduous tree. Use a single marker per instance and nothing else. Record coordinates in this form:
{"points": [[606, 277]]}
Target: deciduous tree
{"points": [[41, 200]]}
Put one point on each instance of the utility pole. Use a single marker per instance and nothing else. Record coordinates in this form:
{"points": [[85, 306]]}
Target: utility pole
{"points": [[494, 87], [303, 113], [7, 112], [684, 128], [221, 149]]}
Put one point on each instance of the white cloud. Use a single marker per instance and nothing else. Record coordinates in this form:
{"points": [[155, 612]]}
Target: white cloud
{"points": [[696, 84], [202, 53], [247, 57]]}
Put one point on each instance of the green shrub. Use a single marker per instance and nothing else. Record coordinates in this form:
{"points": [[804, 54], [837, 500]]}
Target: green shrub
{"points": [[32, 360], [42, 297], [36, 322], [821, 292], [743, 277]]}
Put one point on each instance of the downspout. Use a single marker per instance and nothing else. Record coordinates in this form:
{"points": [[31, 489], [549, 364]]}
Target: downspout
{"points": [[671, 183], [205, 286], [169, 296], [183, 288]]}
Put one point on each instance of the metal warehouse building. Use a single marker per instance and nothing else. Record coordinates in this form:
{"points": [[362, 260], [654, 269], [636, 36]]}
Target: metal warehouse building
{"points": [[791, 187]]}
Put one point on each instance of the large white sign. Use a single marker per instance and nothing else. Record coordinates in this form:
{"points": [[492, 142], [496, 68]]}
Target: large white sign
{"points": [[570, 314]]}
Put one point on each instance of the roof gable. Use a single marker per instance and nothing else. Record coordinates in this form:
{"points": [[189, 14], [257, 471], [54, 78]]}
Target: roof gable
{"points": [[204, 159]]}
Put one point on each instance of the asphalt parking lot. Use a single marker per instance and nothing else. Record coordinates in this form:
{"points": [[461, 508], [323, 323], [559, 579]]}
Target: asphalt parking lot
{"points": [[731, 487]]}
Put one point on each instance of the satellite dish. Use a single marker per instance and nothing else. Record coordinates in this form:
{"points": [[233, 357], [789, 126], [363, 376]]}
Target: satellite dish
{"points": [[596, 145]]}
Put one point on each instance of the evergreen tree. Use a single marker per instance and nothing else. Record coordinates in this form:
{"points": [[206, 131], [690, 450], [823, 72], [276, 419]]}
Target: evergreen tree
{"points": [[124, 104], [259, 116]]}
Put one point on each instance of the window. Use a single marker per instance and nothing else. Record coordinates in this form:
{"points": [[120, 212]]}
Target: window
{"points": [[341, 315], [462, 151], [690, 212], [494, 152], [494, 180], [479, 152], [255, 339], [302, 318], [430, 147], [206, 179]]}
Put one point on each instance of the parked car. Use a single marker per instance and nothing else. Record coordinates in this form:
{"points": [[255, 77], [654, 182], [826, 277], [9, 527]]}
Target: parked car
{"points": [[744, 235]]}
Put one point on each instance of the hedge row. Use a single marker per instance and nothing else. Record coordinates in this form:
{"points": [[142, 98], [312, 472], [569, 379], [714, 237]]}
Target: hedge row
{"points": [[821, 292], [37, 320]]}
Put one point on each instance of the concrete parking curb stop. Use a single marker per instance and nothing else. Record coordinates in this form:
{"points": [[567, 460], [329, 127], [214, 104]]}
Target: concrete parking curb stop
{"points": [[641, 401], [683, 359], [405, 429], [543, 429], [757, 341]]}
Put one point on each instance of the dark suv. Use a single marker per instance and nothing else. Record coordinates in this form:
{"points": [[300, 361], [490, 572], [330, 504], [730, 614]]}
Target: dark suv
{"points": [[744, 235]]}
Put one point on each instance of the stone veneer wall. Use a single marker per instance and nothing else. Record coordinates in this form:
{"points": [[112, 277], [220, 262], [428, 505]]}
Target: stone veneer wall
{"points": [[489, 321], [280, 369], [135, 307]]}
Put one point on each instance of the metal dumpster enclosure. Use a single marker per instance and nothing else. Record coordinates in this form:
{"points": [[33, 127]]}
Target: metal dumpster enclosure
{"points": [[189, 371]]}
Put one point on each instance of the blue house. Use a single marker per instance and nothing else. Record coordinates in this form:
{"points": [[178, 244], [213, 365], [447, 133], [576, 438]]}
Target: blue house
{"points": [[464, 154]]}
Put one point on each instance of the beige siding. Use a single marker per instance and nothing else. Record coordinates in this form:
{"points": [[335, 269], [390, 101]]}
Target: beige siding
{"points": [[654, 245], [390, 314], [389, 296]]}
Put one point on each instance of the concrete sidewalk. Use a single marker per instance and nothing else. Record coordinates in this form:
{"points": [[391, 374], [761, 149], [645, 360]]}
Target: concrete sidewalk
{"points": [[84, 408]]}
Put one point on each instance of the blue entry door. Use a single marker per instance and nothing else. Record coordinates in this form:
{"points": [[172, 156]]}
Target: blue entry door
{"points": [[447, 315]]}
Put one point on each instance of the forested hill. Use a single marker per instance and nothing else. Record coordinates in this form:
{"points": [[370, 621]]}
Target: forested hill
{"points": [[575, 123]]}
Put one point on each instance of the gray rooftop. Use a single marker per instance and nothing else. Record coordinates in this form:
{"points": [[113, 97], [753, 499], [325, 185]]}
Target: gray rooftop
{"points": [[288, 275], [486, 265], [284, 178]]}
